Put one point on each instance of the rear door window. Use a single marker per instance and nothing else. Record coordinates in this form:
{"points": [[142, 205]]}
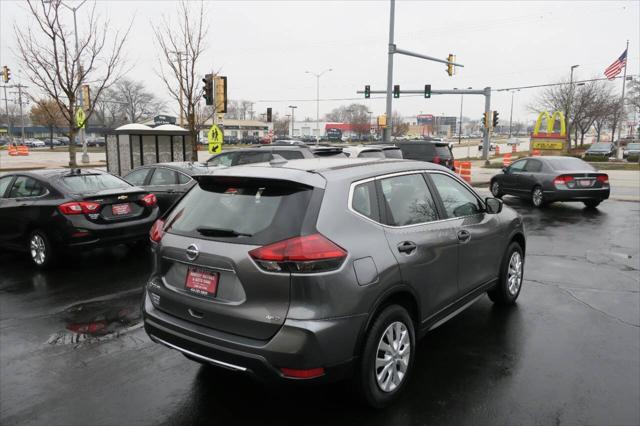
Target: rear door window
{"points": [[253, 157], [533, 166], [26, 187], [252, 211], [518, 166], [137, 177], [182, 178], [162, 177], [408, 200], [458, 201]]}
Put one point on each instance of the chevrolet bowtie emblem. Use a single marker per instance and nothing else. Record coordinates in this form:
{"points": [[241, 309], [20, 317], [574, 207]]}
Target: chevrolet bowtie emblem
{"points": [[122, 197]]}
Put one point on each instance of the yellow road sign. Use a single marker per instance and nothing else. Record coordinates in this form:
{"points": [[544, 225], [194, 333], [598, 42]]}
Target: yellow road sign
{"points": [[215, 138], [80, 119]]}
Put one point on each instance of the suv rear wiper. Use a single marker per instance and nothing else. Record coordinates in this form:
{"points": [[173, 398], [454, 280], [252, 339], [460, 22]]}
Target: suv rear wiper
{"points": [[219, 232]]}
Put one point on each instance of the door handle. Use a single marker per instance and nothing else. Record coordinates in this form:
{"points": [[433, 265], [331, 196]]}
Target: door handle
{"points": [[464, 236], [407, 247]]}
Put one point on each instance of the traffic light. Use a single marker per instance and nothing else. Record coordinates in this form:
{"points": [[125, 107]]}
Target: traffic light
{"points": [[86, 97], [396, 91], [208, 89], [485, 120], [450, 67], [495, 119], [221, 94], [269, 115], [427, 90], [367, 91], [6, 74]]}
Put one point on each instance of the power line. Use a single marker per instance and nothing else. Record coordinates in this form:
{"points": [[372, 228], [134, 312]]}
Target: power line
{"points": [[556, 84]]}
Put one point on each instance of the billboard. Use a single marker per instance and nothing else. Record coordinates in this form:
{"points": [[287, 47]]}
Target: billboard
{"points": [[425, 119]]}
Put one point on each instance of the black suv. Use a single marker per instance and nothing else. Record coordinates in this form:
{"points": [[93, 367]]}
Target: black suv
{"points": [[433, 152]]}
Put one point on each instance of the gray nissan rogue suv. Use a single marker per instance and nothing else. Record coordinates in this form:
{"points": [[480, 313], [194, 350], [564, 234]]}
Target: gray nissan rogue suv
{"points": [[317, 270]]}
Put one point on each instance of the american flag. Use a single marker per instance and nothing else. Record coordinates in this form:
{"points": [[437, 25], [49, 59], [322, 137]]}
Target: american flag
{"points": [[614, 69]]}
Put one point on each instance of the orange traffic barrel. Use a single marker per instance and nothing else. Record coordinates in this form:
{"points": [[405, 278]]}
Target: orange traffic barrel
{"points": [[465, 171], [23, 150], [506, 160]]}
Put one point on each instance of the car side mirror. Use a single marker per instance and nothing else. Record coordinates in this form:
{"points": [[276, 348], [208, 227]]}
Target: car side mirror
{"points": [[494, 205], [505, 170]]}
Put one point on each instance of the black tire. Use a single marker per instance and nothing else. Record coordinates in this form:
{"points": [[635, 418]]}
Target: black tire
{"points": [[502, 293], [592, 204], [537, 197], [496, 189], [40, 249], [366, 381]]}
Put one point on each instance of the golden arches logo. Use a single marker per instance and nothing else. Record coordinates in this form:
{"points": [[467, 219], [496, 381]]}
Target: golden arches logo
{"points": [[551, 121]]}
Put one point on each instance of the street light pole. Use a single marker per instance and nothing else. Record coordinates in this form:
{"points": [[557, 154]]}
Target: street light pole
{"points": [[318, 75], [387, 129], [567, 115], [293, 120], [511, 113]]}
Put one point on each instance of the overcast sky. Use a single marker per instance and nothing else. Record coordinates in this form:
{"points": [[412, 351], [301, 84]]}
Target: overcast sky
{"points": [[265, 48]]}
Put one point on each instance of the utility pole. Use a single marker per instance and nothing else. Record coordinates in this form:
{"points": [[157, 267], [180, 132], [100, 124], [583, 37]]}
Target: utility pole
{"points": [[461, 102], [318, 75], [20, 86], [487, 130], [293, 120], [567, 115], [6, 111], [511, 113], [387, 130]]}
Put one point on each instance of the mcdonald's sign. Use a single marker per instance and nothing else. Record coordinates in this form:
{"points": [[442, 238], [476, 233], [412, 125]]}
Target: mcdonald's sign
{"points": [[549, 138]]}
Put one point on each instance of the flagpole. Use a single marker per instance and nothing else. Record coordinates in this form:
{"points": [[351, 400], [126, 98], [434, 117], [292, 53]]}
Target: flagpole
{"points": [[624, 82]]}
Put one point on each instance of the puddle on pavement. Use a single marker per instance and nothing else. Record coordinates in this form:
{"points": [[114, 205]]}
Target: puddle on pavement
{"points": [[99, 320]]}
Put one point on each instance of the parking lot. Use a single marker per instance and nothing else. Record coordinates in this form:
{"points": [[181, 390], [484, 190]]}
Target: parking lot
{"points": [[72, 350]]}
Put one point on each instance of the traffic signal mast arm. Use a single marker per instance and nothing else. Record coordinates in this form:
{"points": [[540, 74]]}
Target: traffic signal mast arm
{"points": [[433, 92]]}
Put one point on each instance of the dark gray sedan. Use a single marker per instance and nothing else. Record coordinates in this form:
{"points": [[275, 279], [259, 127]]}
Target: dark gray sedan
{"points": [[168, 181], [544, 180]]}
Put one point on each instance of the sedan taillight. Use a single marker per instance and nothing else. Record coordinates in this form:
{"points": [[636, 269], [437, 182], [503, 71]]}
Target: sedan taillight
{"points": [[309, 253], [150, 200], [603, 179], [564, 182], [157, 231], [79, 207]]}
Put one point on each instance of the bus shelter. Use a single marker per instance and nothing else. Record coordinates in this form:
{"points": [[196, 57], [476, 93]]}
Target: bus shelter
{"points": [[134, 145]]}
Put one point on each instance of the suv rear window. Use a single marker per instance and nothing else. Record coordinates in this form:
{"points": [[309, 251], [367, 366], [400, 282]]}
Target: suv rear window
{"points": [[392, 153], [93, 183], [371, 154], [251, 211], [424, 151]]}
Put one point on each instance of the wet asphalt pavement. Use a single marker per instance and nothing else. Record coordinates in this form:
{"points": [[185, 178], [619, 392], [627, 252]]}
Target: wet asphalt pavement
{"points": [[72, 350]]}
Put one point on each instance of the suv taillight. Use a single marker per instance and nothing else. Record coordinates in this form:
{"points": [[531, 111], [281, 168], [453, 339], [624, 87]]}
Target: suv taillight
{"points": [[157, 231], [149, 200], [78, 207], [305, 254], [436, 159]]}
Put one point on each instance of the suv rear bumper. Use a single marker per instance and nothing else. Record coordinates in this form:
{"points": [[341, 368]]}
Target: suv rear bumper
{"points": [[329, 344]]}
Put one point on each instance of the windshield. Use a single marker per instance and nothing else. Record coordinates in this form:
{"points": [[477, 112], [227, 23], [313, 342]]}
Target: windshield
{"points": [[93, 183], [634, 146], [257, 211], [569, 164], [600, 147]]}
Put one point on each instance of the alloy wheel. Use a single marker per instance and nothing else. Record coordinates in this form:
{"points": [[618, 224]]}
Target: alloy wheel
{"points": [[537, 197], [38, 249], [495, 189], [392, 357], [514, 274]]}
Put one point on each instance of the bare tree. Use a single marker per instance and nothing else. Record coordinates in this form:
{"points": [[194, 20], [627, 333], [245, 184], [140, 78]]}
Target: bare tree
{"points": [[398, 126], [281, 125], [135, 101], [183, 46], [108, 110], [53, 65], [46, 112]]}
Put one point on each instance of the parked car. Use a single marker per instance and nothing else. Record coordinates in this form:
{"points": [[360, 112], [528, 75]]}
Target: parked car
{"points": [[544, 180], [230, 140], [51, 142], [316, 271], [632, 151], [167, 181], [513, 141], [288, 142], [363, 151], [327, 151], [433, 152], [492, 146], [600, 150], [43, 212], [260, 154], [95, 142], [63, 140]]}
